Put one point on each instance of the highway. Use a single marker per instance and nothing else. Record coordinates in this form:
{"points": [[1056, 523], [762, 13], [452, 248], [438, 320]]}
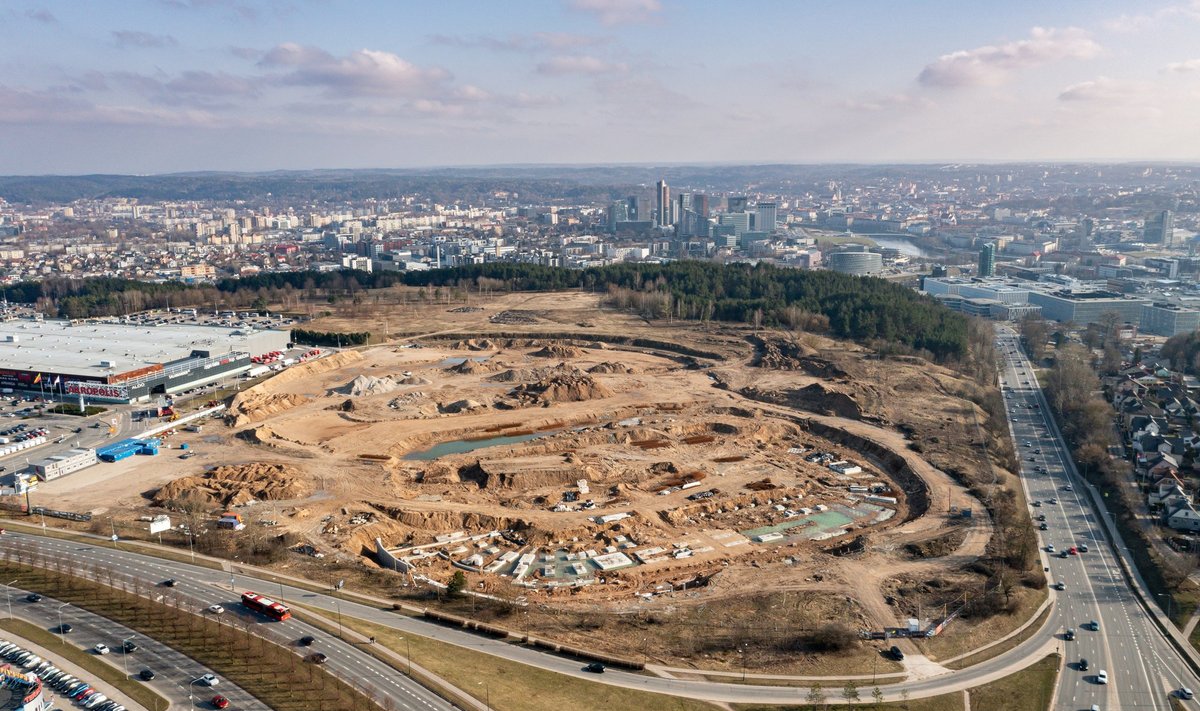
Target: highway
{"points": [[174, 672], [1143, 668], [201, 587]]}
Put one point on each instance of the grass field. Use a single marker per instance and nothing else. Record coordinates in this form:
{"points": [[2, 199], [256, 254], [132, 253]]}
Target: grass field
{"points": [[1003, 647], [512, 686], [835, 698], [274, 674], [963, 636], [1028, 690], [140, 693]]}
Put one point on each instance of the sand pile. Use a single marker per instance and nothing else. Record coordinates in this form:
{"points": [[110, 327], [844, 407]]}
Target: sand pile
{"points": [[312, 367], [558, 350], [526, 375], [458, 406], [476, 344], [563, 387], [238, 484], [254, 406], [474, 367], [608, 367], [367, 385]]}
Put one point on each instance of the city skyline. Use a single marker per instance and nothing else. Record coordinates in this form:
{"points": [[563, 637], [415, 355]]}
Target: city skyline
{"points": [[184, 85]]}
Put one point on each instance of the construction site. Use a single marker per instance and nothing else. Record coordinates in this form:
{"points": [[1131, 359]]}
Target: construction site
{"points": [[580, 462]]}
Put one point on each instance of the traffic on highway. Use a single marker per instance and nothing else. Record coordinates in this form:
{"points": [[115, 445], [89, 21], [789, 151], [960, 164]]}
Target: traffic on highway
{"points": [[1116, 658]]}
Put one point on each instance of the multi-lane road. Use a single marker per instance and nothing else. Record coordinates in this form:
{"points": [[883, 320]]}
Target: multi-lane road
{"points": [[1142, 667]]}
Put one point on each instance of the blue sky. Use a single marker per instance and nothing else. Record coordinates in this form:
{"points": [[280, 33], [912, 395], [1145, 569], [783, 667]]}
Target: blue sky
{"points": [[144, 86]]}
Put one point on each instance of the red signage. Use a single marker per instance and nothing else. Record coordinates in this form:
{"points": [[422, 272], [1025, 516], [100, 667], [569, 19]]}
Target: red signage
{"points": [[98, 390]]}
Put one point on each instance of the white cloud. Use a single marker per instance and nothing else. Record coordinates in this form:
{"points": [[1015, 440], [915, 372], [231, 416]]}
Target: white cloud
{"points": [[1184, 67], [619, 12], [995, 64], [889, 102], [1111, 93], [133, 38], [365, 71], [579, 64], [535, 42], [1137, 23]]}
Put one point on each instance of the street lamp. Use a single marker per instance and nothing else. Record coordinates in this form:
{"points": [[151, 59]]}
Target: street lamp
{"points": [[1170, 602], [407, 653], [8, 594], [125, 654], [742, 654], [338, 604], [487, 694], [62, 634]]}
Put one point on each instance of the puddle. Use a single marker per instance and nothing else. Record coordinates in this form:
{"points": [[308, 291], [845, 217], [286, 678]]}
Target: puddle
{"points": [[462, 446]]}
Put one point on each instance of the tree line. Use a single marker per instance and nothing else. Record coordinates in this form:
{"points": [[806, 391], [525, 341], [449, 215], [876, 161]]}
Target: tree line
{"points": [[862, 308]]}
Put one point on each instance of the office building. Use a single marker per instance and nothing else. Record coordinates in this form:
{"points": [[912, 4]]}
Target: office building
{"points": [[662, 206], [1160, 228], [1165, 319], [736, 203], [740, 221], [633, 208], [1084, 307], [765, 216], [987, 260], [853, 262]]}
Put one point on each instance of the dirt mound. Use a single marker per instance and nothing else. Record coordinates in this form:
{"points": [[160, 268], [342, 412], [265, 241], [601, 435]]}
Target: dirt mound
{"points": [[238, 484], [453, 408], [476, 344], [558, 350], [781, 354], [251, 406], [528, 375], [474, 367], [367, 385], [415, 380], [257, 435], [610, 367], [563, 387], [826, 401], [312, 367]]}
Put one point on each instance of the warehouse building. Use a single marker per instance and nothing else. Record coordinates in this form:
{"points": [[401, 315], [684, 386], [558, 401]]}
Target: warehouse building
{"points": [[1166, 319], [60, 464], [114, 362]]}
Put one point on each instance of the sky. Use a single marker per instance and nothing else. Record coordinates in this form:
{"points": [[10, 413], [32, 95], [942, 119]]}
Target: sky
{"points": [[154, 86]]}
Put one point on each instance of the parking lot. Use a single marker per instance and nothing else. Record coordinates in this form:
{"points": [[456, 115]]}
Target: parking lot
{"points": [[198, 317]]}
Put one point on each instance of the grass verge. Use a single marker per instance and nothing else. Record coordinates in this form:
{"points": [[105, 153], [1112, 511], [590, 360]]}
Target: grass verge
{"points": [[140, 693], [963, 636], [274, 674], [1028, 690], [124, 544], [997, 650], [835, 697], [512, 686]]}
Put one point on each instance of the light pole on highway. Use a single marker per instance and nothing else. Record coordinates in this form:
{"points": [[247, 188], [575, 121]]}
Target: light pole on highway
{"points": [[8, 594], [1170, 602], [62, 633], [487, 694], [125, 654], [407, 652], [338, 604]]}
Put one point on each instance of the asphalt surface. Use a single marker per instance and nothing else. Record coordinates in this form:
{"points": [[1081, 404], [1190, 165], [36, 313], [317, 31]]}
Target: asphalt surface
{"points": [[174, 672], [1143, 668], [201, 587]]}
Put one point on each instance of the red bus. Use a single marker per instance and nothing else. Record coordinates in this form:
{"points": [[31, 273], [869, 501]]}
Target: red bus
{"points": [[270, 608]]}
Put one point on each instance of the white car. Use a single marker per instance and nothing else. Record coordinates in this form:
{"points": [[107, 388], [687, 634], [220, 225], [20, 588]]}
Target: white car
{"points": [[1102, 677], [216, 609], [212, 680], [101, 648], [1186, 693]]}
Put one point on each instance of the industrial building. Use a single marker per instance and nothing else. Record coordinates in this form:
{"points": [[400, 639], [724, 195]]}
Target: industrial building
{"points": [[65, 463], [115, 362], [1083, 307]]}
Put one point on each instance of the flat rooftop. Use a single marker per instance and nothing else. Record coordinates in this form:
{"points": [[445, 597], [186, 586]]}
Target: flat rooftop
{"points": [[77, 348]]}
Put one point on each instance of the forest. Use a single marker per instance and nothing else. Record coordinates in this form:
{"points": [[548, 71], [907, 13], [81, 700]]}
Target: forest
{"points": [[861, 308]]}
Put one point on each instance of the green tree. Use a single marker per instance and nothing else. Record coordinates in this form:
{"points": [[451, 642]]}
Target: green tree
{"points": [[816, 697], [850, 692], [458, 583]]}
